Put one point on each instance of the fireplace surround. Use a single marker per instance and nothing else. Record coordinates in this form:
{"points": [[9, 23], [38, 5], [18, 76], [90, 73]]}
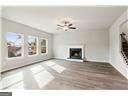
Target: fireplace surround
{"points": [[76, 53]]}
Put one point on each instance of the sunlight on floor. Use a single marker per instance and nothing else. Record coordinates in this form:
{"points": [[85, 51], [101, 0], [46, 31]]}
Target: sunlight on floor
{"points": [[37, 69], [13, 81], [19, 85], [56, 67], [43, 77], [50, 63]]}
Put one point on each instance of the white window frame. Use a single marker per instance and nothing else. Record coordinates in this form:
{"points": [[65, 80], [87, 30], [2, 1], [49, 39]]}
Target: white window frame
{"points": [[37, 51], [46, 45], [22, 47]]}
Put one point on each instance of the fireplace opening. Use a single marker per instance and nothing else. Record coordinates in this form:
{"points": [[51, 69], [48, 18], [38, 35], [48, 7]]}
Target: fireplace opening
{"points": [[75, 53]]}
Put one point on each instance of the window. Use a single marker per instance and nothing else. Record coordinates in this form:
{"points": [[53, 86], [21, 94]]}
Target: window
{"points": [[32, 45], [14, 44], [43, 46]]}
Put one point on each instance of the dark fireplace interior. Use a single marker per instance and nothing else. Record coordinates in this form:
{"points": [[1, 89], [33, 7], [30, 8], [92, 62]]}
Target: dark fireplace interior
{"points": [[124, 46], [75, 53]]}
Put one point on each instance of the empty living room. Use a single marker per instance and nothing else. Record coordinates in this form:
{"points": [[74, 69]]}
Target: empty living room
{"points": [[64, 47]]}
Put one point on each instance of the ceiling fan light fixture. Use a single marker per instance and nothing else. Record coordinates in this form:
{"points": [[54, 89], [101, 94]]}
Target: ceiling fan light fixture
{"points": [[65, 23], [65, 28]]}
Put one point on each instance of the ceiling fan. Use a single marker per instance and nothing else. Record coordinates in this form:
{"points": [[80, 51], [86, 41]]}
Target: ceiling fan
{"points": [[65, 25]]}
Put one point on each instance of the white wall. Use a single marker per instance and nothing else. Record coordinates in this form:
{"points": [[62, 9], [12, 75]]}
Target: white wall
{"points": [[10, 26], [116, 58], [0, 45], [0, 49], [96, 44]]}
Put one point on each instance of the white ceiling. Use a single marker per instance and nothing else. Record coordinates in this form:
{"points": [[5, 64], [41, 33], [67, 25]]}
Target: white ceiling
{"points": [[44, 18]]}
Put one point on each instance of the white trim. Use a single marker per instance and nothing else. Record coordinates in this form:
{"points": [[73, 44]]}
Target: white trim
{"points": [[77, 60], [45, 46], [37, 49], [22, 46]]}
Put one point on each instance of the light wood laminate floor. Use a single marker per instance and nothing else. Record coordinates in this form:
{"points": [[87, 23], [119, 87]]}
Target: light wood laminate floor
{"points": [[64, 75]]}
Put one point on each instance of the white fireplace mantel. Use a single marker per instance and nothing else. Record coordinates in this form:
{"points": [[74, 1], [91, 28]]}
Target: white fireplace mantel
{"points": [[76, 46]]}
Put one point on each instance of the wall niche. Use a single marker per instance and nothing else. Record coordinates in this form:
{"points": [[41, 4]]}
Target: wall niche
{"points": [[124, 40]]}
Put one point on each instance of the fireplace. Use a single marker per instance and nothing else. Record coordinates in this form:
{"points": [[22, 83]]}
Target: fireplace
{"points": [[75, 53]]}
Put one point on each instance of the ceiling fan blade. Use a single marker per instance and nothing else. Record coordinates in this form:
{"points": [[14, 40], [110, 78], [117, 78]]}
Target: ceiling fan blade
{"points": [[72, 27], [70, 24], [60, 25], [59, 28]]}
